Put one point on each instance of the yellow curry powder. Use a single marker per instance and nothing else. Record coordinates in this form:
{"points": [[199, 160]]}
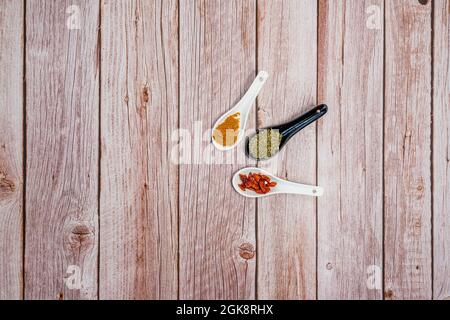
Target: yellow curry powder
{"points": [[227, 132]]}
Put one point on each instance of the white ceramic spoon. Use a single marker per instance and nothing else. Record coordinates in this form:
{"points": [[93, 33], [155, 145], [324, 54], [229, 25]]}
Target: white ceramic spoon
{"points": [[243, 107], [282, 186]]}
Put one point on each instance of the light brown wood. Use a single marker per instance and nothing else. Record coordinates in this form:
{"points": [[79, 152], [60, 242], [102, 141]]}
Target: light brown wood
{"points": [[139, 183], [287, 49], [217, 226], [11, 148], [350, 150], [441, 150], [62, 95], [407, 183], [95, 123]]}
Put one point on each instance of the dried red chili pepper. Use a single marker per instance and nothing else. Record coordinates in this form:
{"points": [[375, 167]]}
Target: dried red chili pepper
{"points": [[256, 182]]}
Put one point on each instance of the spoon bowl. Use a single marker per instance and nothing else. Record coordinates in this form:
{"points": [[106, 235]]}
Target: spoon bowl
{"points": [[283, 186], [243, 107]]}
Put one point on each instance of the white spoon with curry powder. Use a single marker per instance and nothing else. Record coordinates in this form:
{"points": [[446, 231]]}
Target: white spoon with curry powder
{"points": [[282, 186], [224, 137]]}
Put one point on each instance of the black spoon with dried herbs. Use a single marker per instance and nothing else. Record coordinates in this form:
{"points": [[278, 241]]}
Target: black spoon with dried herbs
{"points": [[269, 141]]}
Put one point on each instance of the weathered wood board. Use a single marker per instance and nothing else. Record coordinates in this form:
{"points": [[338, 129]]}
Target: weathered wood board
{"points": [[62, 108], [287, 49], [407, 151], [350, 150], [11, 148], [139, 183], [441, 150], [217, 226]]}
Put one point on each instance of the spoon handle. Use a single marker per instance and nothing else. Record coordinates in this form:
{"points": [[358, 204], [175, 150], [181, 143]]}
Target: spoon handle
{"points": [[250, 96], [303, 189], [293, 127]]}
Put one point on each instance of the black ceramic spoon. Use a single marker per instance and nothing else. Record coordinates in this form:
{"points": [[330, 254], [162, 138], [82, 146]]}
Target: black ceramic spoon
{"points": [[290, 129]]}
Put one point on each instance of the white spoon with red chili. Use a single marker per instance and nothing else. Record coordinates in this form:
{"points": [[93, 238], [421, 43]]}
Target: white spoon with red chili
{"points": [[256, 183]]}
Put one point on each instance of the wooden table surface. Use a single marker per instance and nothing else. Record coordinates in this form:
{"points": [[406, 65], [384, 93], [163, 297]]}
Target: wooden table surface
{"points": [[101, 199]]}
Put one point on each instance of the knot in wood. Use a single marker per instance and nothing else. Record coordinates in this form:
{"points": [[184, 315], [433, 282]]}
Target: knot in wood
{"points": [[419, 188], [145, 94], [247, 251], [389, 294], [81, 230], [81, 237], [6, 185]]}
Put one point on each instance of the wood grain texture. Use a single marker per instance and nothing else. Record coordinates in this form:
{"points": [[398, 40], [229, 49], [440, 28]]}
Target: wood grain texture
{"points": [[287, 49], [407, 183], [217, 226], [100, 108], [11, 148], [350, 150], [62, 95], [139, 183], [441, 150]]}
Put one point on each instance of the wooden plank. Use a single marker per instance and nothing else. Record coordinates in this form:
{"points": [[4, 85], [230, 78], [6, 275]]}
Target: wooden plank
{"points": [[441, 150], [217, 226], [11, 148], [62, 95], [407, 183], [287, 49], [350, 150], [139, 184]]}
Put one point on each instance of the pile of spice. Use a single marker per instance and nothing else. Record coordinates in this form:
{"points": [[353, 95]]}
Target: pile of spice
{"points": [[227, 132], [265, 144], [259, 183]]}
